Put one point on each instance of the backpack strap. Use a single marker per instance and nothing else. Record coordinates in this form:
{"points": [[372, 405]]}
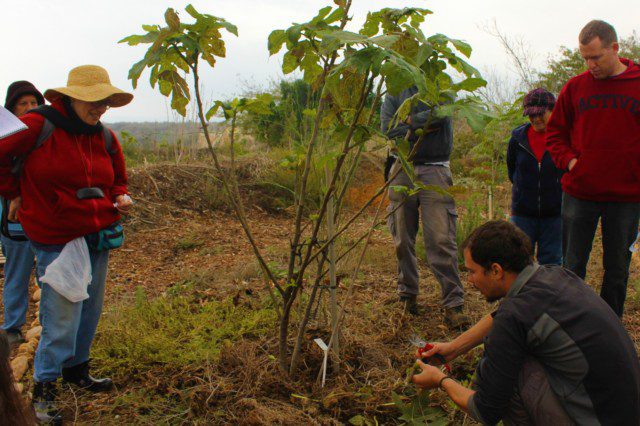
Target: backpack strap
{"points": [[45, 133], [108, 139], [4, 223]]}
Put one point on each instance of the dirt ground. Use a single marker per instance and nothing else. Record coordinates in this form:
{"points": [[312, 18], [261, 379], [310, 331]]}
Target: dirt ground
{"points": [[174, 243]]}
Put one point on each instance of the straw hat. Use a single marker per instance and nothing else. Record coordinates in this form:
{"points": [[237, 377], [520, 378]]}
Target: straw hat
{"points": [[90, 83]]}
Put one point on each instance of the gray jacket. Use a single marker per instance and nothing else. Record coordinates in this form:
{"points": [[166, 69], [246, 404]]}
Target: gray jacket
{"points": [[591, 363], [436, 145]]}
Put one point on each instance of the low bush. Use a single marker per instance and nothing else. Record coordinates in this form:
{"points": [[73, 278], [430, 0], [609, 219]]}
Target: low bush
{"points": [[174, 331]]}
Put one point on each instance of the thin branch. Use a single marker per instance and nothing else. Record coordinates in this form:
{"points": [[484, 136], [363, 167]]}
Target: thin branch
{"points": [[356, 161], [305, 319], [367, 83], [354, 275], [297, 234], [236, 202]]}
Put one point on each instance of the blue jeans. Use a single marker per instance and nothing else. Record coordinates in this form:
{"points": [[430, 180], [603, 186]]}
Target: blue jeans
{"points": [[546, 233], [67, 328], [17, 274], [619, 229]]}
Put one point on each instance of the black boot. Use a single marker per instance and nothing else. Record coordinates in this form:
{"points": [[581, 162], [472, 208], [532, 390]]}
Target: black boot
{"points": [[44, 403], [79, 375], [410, 304]]}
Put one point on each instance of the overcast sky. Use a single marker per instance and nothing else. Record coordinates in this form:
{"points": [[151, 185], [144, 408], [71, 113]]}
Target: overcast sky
{"points": [[44, 39]]}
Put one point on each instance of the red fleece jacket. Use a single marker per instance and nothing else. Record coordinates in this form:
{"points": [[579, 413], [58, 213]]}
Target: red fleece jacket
{"points": [[51, 213], [598, 122]]}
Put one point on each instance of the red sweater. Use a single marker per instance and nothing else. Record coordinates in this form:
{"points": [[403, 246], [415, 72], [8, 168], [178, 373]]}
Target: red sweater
{"points": [[598, 122], [537, 142], [51, 213]]}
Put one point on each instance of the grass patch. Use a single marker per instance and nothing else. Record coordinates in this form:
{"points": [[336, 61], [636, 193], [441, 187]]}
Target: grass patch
{"points": [[189, 242], [174, 331], [471, 217]]}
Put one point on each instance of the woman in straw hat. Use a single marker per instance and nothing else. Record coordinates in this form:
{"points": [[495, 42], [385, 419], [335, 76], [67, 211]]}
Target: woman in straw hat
{"points": [[72, 187]]}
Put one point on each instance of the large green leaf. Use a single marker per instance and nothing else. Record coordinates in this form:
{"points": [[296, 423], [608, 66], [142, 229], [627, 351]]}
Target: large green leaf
{"points": [[371, 25], [276, 39], [387, 41], [229, 27], [335, 16], [470, 84], [193, 12], [471, 109], [309, 65], [136, 71], [133, 40], [322, 13], [397, 79], [260, 105], [289, 63], [401, 75], [462, 47], [363, 60], [218, 105], [293, 33], [344, 37]]}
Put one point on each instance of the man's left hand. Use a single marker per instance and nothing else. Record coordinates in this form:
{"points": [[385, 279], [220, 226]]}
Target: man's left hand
{"points": [[430, 376]]}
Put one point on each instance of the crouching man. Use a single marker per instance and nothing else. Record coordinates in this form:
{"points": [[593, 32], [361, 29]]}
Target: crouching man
{"points": [[554, 352]]}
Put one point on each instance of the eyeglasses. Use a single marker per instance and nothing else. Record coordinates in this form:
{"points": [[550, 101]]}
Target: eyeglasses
{"points": [[100, 104]]}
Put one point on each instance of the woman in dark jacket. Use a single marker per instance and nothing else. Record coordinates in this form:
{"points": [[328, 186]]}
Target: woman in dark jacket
{"points": [[22, 96], [68, 196], [536, 192]]}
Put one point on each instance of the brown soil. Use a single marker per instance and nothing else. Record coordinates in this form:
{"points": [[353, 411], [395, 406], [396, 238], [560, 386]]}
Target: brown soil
{"points": [[178, 232]]}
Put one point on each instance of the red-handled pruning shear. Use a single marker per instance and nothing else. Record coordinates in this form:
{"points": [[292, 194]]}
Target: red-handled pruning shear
{"points": [[424, 346]]}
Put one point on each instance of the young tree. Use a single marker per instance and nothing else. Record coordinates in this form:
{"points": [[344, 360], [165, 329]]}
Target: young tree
{"points": [[348, 71]]}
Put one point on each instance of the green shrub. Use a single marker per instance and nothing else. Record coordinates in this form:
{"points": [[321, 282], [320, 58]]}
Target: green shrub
{"points": [[280, 175], [175, 331], [473, 215]]}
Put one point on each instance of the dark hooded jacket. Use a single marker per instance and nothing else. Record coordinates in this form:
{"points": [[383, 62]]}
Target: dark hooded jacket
{"points": [[536, 190], [436, 144]]}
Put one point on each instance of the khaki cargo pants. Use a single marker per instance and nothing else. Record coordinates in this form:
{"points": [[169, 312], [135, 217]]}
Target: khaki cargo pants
{"points": [[438, 215]]}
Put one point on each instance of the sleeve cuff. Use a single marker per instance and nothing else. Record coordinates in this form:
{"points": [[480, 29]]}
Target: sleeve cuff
{"points": [[566, 159]]}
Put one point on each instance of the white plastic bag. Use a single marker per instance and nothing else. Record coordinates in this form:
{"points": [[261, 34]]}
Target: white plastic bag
{"points": [[70, 274]]}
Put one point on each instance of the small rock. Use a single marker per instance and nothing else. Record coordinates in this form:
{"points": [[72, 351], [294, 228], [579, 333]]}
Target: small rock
{"points": [[34, 344], [19, 366], [36, 296], [34, 332], [25, 349]]}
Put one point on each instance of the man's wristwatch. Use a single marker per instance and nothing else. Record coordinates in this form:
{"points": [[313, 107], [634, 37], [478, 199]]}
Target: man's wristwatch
{"points": [[442, 380]]}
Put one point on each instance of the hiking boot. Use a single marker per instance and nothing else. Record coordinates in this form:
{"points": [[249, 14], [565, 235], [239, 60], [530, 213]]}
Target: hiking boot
{"points": [[14, 337], [79, 376], [455, 319], [44, 403], [410, 304]]}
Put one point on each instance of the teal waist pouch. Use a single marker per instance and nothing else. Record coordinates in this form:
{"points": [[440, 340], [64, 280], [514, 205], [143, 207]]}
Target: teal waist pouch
{"points": [[108, 238]]}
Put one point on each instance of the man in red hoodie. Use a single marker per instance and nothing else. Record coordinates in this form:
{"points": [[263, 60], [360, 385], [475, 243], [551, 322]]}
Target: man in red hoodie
{"points": [[594, 135]]}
